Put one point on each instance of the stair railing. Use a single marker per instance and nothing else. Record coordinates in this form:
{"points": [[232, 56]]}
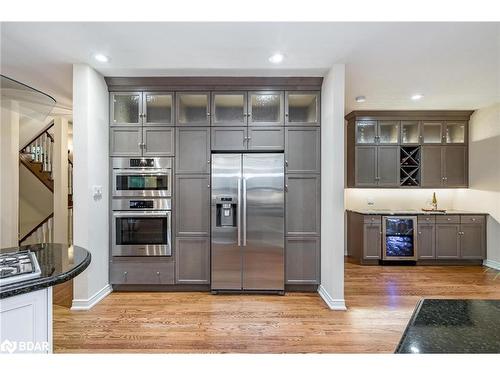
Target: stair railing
{"points": [[43, 232], [41, 150]]}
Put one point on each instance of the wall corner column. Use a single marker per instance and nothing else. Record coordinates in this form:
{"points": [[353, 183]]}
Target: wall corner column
{"points": [[332, 188], [60, 171]]}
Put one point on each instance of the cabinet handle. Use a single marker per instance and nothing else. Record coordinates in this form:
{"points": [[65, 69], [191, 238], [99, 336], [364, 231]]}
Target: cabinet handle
{"points": [[208, 186], [208, 161], [448, 219], [125, 275], [473, 219], [208, 113], [286, 163], [419, 232], [286, 188], [158, 273]]}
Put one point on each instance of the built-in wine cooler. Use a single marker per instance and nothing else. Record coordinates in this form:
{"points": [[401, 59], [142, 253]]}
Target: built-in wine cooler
{"points": [[399, 238]]}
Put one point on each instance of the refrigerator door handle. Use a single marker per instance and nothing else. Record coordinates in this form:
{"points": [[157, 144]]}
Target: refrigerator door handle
{"points": [[238, 213], [244, 211]]}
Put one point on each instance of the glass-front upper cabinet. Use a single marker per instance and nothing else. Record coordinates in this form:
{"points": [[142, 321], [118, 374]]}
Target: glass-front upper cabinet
{"points": [[302, 108], [265, 108], [193, 108], [125, 108], [158, 108], [388, 132], [455, 132], [410, 132], [366, 132], [431, 132], [229, 108]]}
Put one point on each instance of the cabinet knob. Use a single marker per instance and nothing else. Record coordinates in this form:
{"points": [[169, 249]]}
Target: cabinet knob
{"points": [[208, 186], [473, 219], [208, 161], [286, 114], [208, 113], [158, 273], [286, 163], [449, 219], [286, 188], [419, 232]]}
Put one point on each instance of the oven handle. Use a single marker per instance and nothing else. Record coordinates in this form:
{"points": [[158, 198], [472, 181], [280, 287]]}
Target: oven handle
{"points": [[142, 171], [141, 214]]}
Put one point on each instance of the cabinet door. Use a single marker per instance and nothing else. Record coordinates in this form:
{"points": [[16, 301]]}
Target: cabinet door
{"points": [[388, 132], [125, 141], [366, 132], [426, 246], [192, 150], [266, 138], [410, 132], [230, 138], [302, 260], [192, 261], [455, 132], [302, 150], [265, 108], [158, 141], [372, 234], [192, 205], [229, 109], [455, 166], [302, 108], [447, 241], [125, 108], [432, 132], [158, 108], [473, 241], [365, 168], [302, 205], [432, 161], [388, 166], [193, 108]]}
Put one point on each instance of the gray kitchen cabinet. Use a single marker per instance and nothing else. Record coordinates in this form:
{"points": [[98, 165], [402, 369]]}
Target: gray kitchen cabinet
{"points": [[366, 132], [426, 241], [431, 170], [372, 237], [192, 150], [302, 202], [158, 108], [143, 271], [447, 241], [302, 108], [229, 138], [388, 132], [410, 133], [125, 108], [432, 132], [158, 141], [193, 108], [303, 150], [229, 108], [472, 237], [192, 205], [125, 141], [266, 138], [366, 166], [302, 260], [455, 166], [192, 263], [265, 108], [387, 166]]}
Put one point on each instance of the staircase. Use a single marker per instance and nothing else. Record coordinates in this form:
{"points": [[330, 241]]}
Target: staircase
{"points": [[37, 157]]}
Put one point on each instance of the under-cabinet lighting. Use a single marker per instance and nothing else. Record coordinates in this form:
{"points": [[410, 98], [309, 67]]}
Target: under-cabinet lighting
{"points": [[417, 97]]}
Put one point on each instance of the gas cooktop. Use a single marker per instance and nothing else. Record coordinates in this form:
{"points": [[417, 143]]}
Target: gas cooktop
{"points": [[18, 266]]}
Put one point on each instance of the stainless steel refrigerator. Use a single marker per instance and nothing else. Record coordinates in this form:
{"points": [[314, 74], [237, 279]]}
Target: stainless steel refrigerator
{"points": [[248, 228]]}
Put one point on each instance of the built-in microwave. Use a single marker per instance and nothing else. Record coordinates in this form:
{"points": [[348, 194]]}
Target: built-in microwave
{"points": [[142, 177], [141, 227]]}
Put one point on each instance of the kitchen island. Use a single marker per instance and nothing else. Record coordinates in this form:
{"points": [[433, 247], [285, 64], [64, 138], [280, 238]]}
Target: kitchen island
{"points": [[26, 305]]}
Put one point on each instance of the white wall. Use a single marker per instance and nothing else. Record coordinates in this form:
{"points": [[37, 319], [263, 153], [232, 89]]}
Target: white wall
{"points": [[90, 146], [484, 175], [332, 188]]}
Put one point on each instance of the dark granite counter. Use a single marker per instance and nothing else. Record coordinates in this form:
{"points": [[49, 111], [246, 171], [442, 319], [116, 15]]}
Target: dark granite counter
{"points": [[453, 326], [58, 263], [409, 212]]}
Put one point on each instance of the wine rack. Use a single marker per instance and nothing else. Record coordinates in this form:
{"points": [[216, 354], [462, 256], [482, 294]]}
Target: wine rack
{"points": [[410, 166]]}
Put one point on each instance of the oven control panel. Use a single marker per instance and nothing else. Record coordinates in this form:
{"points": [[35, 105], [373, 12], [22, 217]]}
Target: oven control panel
{"points": [[134, 163], [141, 204]]}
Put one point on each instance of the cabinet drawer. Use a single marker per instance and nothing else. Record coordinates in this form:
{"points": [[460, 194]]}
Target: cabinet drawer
{"points": [[147, 272], [448, 219], [376, 219], [429, 219], [472, 219]]}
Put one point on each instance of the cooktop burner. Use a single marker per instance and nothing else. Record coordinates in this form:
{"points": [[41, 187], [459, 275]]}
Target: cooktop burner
{"points": [[18, 266]]}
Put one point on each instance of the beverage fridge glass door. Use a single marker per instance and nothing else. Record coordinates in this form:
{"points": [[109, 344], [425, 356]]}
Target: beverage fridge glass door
{"points": [[399, 238], [263, 222], [226, 233]]}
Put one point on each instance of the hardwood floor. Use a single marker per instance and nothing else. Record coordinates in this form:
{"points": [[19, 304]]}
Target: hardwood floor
{"points": [[380, 302]]}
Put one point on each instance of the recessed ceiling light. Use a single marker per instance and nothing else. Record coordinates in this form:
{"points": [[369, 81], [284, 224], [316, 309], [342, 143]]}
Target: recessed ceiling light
{"points": [[276, 58], [101, 58], [361, 99], [417, 97]]}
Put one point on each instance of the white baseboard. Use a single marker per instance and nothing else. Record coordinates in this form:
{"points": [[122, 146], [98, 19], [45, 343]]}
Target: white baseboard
{"points": [[492, 264], [333, 304], [87, 304]]}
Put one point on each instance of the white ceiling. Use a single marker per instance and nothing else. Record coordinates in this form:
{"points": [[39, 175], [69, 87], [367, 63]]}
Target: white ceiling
{"points": [[455, 65]]}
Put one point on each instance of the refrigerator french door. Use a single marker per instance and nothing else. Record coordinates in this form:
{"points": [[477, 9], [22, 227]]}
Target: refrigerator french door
{"points": [[248, 217]]}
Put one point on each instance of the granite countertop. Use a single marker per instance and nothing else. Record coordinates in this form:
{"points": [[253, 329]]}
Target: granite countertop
{"points": [[453, 326], [387, 211], [58, 263]]}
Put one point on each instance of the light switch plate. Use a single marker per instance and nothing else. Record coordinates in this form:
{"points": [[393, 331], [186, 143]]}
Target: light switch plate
{"points": [[370, 201], [97, 191]]}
